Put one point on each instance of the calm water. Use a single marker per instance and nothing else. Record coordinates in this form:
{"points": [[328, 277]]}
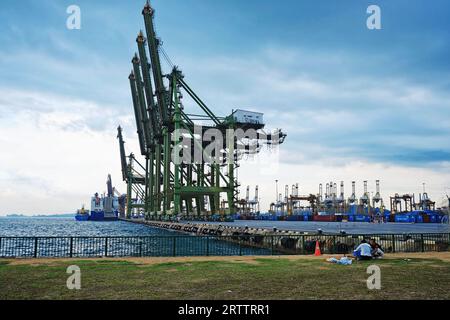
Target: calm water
{"points": [[63, 227], [164, 244]]}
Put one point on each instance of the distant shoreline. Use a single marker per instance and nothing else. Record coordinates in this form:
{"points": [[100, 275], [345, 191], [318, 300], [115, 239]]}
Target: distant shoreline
{"points": [[62, 215]]}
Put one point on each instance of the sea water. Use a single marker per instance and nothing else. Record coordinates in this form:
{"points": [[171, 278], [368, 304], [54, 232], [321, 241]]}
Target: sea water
{"points": [[66, 227], [63, 237]]}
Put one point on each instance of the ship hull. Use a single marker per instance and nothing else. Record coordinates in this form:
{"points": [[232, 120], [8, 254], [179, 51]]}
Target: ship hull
{"points": [[82, 217], [100, 216]]}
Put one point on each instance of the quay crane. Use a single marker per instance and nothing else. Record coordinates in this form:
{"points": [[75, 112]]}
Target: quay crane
{"points": [[164, 186]]}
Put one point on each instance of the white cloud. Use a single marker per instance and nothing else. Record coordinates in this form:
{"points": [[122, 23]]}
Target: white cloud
{"points": [[57, 151], [53, 157], [394, 178]]}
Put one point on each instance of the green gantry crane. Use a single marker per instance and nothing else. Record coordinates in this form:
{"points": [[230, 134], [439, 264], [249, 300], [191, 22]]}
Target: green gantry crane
{"points": [[167, 185]]}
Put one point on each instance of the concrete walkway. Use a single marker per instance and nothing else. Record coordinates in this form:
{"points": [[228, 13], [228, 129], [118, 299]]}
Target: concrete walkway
{"points": [[335, 227]]}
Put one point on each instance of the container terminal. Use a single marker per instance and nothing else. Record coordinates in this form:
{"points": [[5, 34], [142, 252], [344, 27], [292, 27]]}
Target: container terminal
{"points": [[333, 206], [171, 117]]}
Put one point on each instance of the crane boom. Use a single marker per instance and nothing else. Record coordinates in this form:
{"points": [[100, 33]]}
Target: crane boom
{"points": [[148, 88], [123, 159], [137, 114], [153, 44], [148, 129]]}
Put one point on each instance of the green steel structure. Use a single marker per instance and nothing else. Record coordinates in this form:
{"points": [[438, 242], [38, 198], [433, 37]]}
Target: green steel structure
{"points": [[166, 185]]}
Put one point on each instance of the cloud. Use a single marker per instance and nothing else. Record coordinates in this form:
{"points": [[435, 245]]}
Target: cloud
{"points": [[390, 119], [395, 178], [350, 113], [55, 155]]}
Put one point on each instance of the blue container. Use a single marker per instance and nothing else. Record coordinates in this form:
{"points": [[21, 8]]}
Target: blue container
{"points": [[306, 217], [362, 218], [433, 218], [403, 218], [352, 210], [351, 218], [419, 219]]}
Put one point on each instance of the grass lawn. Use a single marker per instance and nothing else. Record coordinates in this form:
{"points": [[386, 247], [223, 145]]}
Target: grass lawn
{"points": [[419, 277]]}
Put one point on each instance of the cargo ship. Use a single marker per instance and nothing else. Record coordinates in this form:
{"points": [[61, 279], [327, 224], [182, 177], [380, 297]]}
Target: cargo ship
{"points": [[106, 207]]}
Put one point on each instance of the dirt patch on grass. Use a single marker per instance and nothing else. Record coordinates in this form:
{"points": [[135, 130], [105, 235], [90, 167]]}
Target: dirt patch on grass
{"points": [[249, 261], [323, 268], [443, 256]]}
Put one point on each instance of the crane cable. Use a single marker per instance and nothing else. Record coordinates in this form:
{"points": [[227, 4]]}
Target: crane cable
{"points": [[166, 57]]}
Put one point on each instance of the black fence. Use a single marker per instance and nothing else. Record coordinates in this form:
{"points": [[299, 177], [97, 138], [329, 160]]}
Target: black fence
{"points": [[236, 245]]}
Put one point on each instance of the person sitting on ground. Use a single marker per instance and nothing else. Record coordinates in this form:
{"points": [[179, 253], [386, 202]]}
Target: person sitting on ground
{"points": [[377, 252], [363, 251]]}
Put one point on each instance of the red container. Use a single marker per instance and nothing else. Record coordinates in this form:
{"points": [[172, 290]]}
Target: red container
{"points": [[327, 218]]}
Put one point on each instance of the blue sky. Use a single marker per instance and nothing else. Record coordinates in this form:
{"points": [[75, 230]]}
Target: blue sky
{"points": [[343, 93]]}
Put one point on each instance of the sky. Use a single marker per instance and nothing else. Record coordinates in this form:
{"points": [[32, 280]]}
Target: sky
{"points": [[356, 104]]}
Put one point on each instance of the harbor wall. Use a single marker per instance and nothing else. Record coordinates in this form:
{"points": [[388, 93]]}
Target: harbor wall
{"points": [[296, 242]]}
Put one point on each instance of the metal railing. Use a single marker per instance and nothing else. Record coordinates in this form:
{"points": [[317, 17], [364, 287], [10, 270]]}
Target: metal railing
{"points": [[236, 245]]}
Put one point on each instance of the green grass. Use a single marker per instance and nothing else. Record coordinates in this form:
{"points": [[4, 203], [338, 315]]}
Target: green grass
{"points": [[256, 279]]}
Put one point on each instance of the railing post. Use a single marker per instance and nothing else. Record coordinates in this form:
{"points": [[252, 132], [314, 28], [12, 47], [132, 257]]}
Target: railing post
{"points": [[174, 252], [106, 246], [333, 248], [393, 243], [271, 244], [448, 241], [423, 244], [71, 247], [303, 244], [35, 247]]}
